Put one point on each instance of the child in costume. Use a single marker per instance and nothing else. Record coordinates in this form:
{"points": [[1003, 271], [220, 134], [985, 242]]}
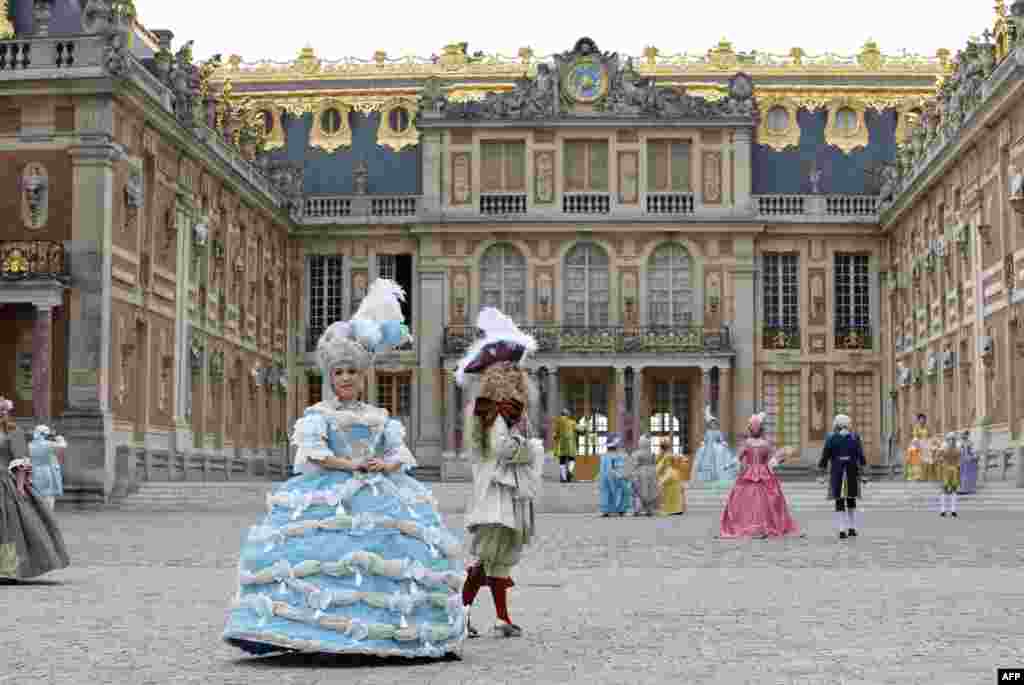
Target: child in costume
{"points": [[507, 462]]}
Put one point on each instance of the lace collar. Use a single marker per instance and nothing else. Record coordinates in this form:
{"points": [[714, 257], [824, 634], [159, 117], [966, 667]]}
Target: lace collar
{"points": [[346, 414]]}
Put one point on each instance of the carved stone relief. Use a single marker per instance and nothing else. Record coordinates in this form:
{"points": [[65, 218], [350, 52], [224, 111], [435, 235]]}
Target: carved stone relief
{"points": [[545, 295], [713, 298], [629, 178], [818, 343], [817, 250], [712, 177], [817, 311], [544, 191], [35, 195], [630, 307], [818, 404], [460, 297], [462, 189]]}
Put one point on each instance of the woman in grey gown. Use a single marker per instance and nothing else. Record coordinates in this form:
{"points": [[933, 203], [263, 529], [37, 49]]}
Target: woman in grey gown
{"points": [[30, 542]]}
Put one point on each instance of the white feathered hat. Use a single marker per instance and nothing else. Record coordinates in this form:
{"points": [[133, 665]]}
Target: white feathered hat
{"points": [[502, 341], [378, 325]]}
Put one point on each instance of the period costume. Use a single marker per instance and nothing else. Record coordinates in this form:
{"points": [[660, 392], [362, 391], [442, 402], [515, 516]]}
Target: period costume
{"points": [[843, 455], [756, 506], [47, 472], [670, 481], [949, 463], [918, 454], [565, 446], [968, 465], [643, 477], [716, 464], [30, 542], [616, 492], [507, 461], [351, 559]]}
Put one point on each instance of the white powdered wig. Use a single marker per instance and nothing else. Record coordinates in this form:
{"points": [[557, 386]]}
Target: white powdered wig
{"points": [[497, 328]]}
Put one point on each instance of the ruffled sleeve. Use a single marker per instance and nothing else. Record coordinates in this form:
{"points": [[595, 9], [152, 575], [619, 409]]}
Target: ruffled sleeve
{"points": [[394, 446], [310, 438]]}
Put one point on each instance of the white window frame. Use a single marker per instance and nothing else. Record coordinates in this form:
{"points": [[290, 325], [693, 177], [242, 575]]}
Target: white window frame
{"points": [[325, 294]]}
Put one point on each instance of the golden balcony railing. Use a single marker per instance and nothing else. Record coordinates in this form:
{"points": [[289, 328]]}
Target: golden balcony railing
{"points": [[32, 259], [558, 339]]}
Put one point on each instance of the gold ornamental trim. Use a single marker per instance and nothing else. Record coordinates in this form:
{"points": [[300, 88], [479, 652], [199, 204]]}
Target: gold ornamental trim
{"points": [[847, 141], [779, 139], [392, 138], [326, 140], [456, 62]]}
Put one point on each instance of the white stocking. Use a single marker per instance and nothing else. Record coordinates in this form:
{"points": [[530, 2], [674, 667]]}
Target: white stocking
{"points": [[840, 521], [849, 519], [952, 502], [942, 502], [564, 470]]}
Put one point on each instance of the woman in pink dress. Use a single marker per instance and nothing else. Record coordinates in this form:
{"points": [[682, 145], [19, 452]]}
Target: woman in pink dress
{"points": [[756, 506]]}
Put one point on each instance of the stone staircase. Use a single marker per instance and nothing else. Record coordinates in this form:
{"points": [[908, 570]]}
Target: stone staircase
{"points": [[578, 498]]}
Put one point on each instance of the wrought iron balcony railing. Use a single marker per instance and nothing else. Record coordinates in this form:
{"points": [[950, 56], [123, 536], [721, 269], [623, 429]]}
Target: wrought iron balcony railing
{"points": [[781, 338], [32, 259], [853, 337], [557, 339]]}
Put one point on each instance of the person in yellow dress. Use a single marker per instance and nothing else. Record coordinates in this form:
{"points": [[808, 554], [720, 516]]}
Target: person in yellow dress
{"points": [[914, 468], [670, 479], [564, 448]]}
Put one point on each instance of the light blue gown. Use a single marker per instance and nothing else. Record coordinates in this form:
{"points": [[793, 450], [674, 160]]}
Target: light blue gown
{"points": [[716, 464], [350, 563], [47, 474], [616, 491]]}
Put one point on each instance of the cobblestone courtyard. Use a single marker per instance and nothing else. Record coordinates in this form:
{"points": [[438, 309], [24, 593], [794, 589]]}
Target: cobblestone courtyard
{"points": [[916, 599]]}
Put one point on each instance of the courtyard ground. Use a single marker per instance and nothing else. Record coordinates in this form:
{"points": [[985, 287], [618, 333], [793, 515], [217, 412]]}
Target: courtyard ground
{"points": [[916, 599]]}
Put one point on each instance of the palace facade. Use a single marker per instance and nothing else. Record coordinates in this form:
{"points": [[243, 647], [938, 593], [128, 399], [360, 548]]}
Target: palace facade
{"points": [[746, 231]]}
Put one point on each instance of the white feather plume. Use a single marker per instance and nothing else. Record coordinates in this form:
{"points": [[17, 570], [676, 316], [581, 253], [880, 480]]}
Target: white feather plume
{"points": [[383, 302], [497, 328], [708, 416]]}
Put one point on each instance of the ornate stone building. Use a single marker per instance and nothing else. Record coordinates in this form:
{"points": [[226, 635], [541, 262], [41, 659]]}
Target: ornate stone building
{"points": [[676, 230]]}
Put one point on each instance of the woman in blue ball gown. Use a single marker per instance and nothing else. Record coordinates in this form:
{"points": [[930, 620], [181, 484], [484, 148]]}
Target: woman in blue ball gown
{"points": [[716, 465], [353, 557]]}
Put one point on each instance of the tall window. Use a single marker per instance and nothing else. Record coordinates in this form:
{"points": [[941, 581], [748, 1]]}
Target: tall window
{"points": [[782, 407], [851, 291], [586, 165], [503, 166], [394, 393], [781, 291], [588, 400], [503, 280], [325, 294], [668, 166], [669, 288], [670, 417], [387, 266], [854, 397], [586, 286]]}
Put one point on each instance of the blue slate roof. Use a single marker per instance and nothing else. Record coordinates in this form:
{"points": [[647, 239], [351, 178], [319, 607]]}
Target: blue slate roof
{"points": [[789, 171], [329, 173]]}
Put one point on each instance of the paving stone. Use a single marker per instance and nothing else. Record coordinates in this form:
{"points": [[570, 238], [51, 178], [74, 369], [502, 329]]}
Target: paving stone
{"points": [[916, 599]]}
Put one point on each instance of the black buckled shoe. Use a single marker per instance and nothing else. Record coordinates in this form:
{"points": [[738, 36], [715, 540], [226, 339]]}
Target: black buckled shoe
{"points": [[842, 535], [851, 533]]}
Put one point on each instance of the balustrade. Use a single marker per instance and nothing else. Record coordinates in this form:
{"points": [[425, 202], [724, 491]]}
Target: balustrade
{"points": [[586, 203], [853, 337], [669, 203], [605, 339], [781, 338], [499, 204]]}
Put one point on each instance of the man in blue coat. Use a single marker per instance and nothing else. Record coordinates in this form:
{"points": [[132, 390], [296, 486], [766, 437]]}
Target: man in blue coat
{"points": [[615, 488], [844, 454]]}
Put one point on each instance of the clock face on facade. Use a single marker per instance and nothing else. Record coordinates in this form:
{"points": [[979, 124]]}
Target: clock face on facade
{"points": [[587, 81]]}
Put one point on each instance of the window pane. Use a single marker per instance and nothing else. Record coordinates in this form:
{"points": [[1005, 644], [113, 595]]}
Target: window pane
{"points": [[599, 166], [575, 165], [680, 167], [657, 166], [515, 166], [490, 167]]}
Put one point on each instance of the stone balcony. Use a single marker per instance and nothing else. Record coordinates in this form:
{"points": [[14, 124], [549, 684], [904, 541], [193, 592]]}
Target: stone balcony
{"points": [[554, 339], [596, 207]]}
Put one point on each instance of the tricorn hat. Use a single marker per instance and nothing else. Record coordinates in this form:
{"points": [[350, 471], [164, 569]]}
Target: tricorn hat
{"points": [[502, 341]]}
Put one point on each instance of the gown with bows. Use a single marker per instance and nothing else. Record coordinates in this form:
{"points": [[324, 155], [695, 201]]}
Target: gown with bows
{"points": [[756, 506], [30, 542], [716, 464], [47, 473], [350, 563]]}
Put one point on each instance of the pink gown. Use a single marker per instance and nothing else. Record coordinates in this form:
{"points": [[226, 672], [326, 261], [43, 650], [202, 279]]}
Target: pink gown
{"points": [[756, 506]]}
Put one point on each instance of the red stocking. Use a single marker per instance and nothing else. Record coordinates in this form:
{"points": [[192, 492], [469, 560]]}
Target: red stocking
{"points": [[21, 479], [474, 581], [499, 590]]}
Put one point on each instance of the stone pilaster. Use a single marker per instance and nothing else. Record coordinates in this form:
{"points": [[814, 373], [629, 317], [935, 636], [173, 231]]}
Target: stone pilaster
{"points": [[433, 171], [742, 177], [554, 404], [90, 470], [42, 339], [429, 302], [725, 403], [619, 397], [639, 426], [705, 397], [743, 333], [451, 413]]}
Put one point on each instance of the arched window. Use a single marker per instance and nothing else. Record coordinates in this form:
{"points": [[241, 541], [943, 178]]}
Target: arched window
{"points": [[669, 287], [592, 435], [586, 286], [503, 280], [846, 120]]}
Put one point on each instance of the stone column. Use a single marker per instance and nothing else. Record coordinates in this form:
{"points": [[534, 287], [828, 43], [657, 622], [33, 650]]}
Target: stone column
{"points": [[554, 404], [42, 334], [621, 425], [705, 395], [639, 427], [429, 302], [742, 176], [433, 171], [86, 423], [725, 412], [742, 335], [451, 413]]}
